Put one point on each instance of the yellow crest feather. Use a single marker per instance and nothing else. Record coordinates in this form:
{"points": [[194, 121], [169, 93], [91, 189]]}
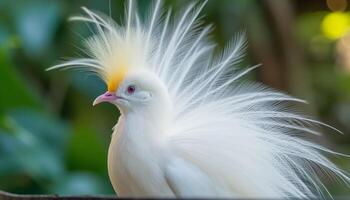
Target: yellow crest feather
{"points": [[115, 78], [125, 55]]}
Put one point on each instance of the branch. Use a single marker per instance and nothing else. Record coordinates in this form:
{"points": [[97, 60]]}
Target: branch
{"points": [[9, 196]]}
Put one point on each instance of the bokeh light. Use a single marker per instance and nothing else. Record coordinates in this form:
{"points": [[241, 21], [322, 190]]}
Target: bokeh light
{"points": [[335, 25], [337, 5]]}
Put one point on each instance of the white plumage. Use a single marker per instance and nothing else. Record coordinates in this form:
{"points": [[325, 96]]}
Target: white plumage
{"points": [[189, 126]]}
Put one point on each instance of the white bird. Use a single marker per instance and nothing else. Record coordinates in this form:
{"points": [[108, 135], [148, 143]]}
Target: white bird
{"points": [[189, 127]]}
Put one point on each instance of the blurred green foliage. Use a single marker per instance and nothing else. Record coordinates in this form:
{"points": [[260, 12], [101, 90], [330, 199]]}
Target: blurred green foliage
{"points": [[53, 141], [50, 141]]}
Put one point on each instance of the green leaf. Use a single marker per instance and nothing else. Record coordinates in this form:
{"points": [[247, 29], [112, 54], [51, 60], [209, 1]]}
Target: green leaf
{"points": [[13, 90], [35, 146], [37, 22], [82, 184], [87, 151]]}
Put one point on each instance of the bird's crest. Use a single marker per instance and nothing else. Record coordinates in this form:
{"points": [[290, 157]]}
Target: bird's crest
{"points": [[117, 53], [114, 52], [119, 57]]}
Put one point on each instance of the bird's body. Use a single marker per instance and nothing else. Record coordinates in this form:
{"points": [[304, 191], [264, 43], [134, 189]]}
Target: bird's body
{"points": [[188, 127], [142, 162]]}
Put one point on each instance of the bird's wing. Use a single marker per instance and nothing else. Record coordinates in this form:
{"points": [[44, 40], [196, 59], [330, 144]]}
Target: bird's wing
{"points": [[242, 133], [250, 143], [187, 180]]}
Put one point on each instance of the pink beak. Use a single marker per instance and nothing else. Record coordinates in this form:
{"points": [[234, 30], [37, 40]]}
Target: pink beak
{"points": [[106, 97]]}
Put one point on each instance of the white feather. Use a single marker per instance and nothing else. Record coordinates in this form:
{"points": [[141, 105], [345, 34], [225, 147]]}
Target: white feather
{"points": [[230, 138]]}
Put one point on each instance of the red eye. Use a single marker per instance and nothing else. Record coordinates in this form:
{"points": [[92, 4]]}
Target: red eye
{"points": [[131, 89]]}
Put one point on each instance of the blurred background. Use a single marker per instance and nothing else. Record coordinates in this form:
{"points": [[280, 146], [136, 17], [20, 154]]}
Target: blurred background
{"points": [[53, 141]]}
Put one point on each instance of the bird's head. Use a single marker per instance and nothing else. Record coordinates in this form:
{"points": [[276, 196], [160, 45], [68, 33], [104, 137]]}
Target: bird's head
{"points": [[121, 58], [135, 91]]}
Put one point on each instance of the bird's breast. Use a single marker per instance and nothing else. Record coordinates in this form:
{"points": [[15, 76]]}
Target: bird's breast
{"points": [[135, 163]]}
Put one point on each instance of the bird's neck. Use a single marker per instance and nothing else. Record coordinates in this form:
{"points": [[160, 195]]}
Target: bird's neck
{"points": [[153, 120], [144, 125]]}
